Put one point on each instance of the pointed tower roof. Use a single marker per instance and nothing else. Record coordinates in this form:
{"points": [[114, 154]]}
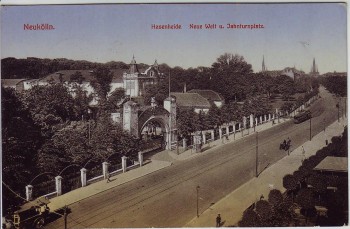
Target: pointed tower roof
{"points": [[263, 65], [133, 66]]}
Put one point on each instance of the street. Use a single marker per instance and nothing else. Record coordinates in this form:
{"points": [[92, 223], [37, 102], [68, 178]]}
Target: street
{"points": [[167, 198]]}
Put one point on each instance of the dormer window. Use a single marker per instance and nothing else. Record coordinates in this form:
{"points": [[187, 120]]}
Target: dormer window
{"points": [[152, 73]]}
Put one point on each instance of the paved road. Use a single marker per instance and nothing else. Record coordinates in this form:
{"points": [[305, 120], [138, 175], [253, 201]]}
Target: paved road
{"points": [[167, 198]]}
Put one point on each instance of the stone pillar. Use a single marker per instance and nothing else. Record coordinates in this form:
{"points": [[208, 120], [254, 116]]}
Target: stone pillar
{"points": [[105, 170], [83, 177], [228, 130], [251, 121], [204, 138], [29, 192], [239, 126], [124, 163], [212, 135], [260, 119], [184, 143], [269, 117], [58, 185], [234, 127], [220, 132], [256, 121], [273, 116], [140, 158], [168, 137], [265, 118]]}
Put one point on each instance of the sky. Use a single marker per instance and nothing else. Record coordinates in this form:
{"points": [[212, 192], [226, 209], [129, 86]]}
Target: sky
{"points": [[293, 34]]}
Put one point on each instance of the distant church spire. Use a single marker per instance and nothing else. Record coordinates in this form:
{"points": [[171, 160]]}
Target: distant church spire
{"points": [[314, 69], [133, 66], [263, 65]]}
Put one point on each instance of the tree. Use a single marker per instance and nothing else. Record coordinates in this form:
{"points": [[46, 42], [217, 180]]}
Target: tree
{"points": [[77, 77], [21, 139], [285, 86], [108, 139], [231, 63], [264, 210], [160, 91], [249, 219], [101, 82], [50, 106], [319, 183], [214, 117], [275, 197], [187, 122], [305, 199], [67, 146], [290, 183]]}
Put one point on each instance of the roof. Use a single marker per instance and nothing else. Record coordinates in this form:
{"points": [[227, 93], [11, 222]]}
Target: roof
{"points": [[208, 94], [333, 164], [191, 100], [87, 75], [10, 82]]}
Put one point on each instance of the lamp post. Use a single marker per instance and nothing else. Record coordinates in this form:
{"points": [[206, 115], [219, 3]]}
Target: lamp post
{"points": [[338, 110], [310, 128], [197, 188], [256, 154], [89, 112]]}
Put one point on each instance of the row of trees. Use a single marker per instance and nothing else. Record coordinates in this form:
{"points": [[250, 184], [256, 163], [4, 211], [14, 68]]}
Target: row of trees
{"points": [[336, 84], [233, 77], [306, 188], [189, 121]]}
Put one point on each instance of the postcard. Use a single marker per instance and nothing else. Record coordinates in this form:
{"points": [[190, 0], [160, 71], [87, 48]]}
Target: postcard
{"points": [[139, 115]]}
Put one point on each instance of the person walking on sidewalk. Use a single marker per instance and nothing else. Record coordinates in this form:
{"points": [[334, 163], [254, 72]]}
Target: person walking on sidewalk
{"points": [[218, 221], [108, 178], [303, 153]]}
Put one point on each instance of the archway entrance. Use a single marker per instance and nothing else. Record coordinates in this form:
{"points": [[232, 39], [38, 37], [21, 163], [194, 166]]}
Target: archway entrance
{"points": [[153, 135]]}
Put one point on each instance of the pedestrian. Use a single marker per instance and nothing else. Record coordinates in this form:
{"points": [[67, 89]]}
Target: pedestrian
{"points": [[108, 178], [303, 153], [218, 221]]}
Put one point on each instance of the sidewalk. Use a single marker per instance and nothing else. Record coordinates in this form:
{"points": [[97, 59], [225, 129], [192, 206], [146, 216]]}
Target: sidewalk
{"points": [[232, 137], [232, 206], [100, 186]]}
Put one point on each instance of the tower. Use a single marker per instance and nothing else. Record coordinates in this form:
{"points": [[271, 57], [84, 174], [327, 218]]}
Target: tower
{"points": [[263, 65], [314, 69], [133, 66]]}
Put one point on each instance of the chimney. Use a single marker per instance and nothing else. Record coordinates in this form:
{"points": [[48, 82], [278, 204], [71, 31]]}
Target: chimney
{"points": [[185, 88]]}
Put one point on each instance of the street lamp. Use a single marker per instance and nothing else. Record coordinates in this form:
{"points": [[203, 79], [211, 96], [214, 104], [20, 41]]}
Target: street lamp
{"points": [[338, 110], [197, 188], [256, 154], [310, 128]]}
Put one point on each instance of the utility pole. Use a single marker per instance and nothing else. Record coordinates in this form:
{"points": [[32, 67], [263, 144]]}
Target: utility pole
{"points": [[256, 154], [65, 217], [170, 111], [197, 200], [310, 128]]}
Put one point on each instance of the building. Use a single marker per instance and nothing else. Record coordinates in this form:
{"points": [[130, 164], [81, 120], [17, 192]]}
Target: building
{"points": [[136, 80], [17, 84], [213, 97], [188, 101], [292, 73]]}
